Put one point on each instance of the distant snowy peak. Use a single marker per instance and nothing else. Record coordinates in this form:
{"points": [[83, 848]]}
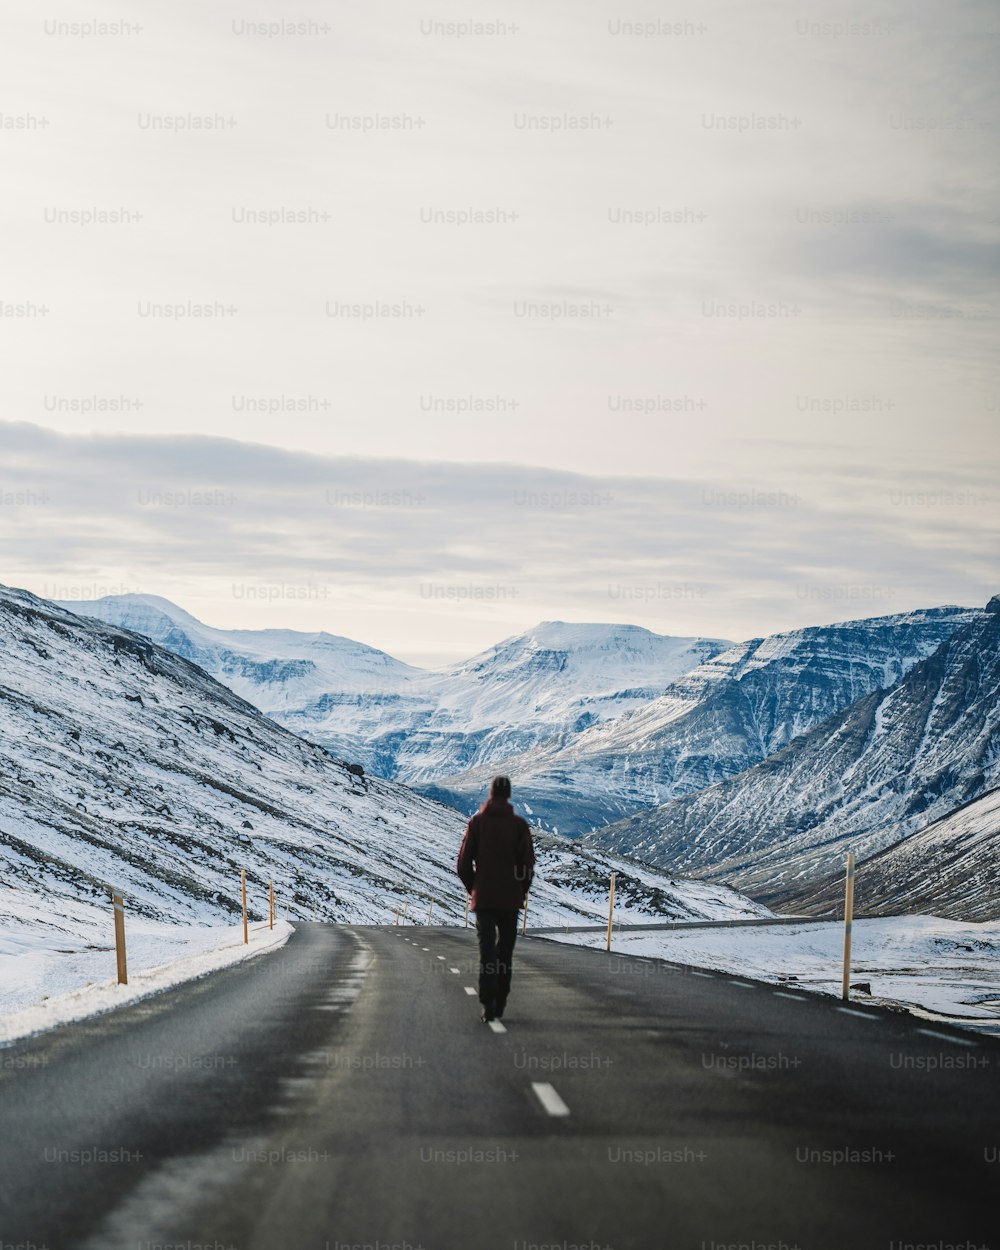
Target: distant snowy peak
{"points": [[586, 647], [563, 668], [587, 638], [139, 612], [275, 668], [151, 614]]}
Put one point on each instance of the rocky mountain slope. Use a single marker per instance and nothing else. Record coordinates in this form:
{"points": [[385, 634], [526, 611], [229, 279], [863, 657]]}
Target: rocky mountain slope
{"points": [[718, 720], [948, 868], [868, 778]]}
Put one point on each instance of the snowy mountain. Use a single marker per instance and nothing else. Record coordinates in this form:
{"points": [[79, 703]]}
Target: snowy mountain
{"points": [[542, 688], [868, 778], [948, 868], [716, 721], [278, 670], [415, 725], [125, 765]]}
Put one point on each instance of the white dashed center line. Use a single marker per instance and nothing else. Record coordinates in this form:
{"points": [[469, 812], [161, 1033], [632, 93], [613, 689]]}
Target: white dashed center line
{"points": [[549, 1099], [861, 1015], [796, 998], [469, 989], [455, 970], [948, 1037], [496, 1026]]}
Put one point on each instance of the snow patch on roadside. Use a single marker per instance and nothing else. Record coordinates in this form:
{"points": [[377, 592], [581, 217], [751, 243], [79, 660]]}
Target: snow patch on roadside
{"points": [[47, 980], [940, 969]]}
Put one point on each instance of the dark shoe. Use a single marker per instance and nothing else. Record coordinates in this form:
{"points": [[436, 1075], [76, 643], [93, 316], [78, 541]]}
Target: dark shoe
{"points": [[487, 1014], [498, 1010]]}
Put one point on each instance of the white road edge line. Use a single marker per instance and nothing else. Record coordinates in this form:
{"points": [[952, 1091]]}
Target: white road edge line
{"points": [[862, 1015], [549, 1099], [948, 1037], [496, 1026]]}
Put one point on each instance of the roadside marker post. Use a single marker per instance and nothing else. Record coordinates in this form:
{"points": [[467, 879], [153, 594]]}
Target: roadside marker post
{"points": [[271, 909], [468, 900], [118, 903], [429, 910], [243, 887], [848, 924], [611, 908], [524, 918]]}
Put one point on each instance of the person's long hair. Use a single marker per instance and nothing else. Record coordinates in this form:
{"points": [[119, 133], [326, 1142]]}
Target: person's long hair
{"points": [[500, 789]]}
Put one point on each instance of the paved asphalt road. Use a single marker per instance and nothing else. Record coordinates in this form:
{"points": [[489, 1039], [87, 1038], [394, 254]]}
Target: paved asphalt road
{"points": [[341, 1093]]}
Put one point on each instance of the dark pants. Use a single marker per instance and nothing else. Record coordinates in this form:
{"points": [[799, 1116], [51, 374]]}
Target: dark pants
{"points": [[497, 933]]}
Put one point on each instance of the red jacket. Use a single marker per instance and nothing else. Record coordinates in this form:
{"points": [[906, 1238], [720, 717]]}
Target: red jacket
{"points": [[497, 859]]}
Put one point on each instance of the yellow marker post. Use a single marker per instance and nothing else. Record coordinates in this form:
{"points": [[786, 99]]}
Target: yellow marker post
{"points": [[848, 924]]}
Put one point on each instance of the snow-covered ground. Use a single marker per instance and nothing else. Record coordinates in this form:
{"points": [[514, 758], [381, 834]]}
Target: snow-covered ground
{"points": [[939, 969], [49, 978]]}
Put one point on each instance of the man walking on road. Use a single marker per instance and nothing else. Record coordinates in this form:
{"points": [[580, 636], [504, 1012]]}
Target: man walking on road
{"points": [[496, 864]]}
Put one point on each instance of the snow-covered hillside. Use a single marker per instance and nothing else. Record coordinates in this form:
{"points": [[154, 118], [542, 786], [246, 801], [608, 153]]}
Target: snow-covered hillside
{"points": [[543, 688], [122, 764], [868, 777], [416, 725], [717, 720], [949, 868], [594, 722]]}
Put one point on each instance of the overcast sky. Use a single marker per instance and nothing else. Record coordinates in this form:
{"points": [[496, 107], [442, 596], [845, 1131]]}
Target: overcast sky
{"points": [[687, 319]]}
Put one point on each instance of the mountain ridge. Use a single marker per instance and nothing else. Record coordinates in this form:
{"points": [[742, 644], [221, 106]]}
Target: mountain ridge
{"points": [[871, 776], [123, 764], [418, 725], [719, 719]]}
